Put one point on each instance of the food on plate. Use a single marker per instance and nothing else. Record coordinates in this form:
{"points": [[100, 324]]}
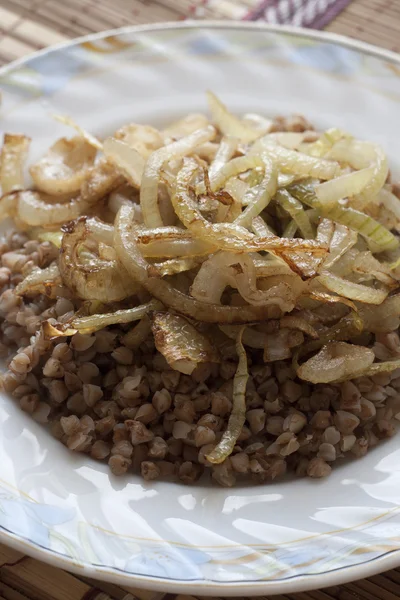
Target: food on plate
{"points": [[220, 296]]}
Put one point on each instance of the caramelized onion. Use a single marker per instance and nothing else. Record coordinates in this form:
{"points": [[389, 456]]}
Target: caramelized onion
{"points": [[180, 343], [238, 415], [65, 166], [334, 361], [95, 279], [12, 160]]}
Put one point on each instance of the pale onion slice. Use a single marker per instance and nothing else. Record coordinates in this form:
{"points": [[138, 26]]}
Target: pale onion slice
{"points": [[267, 266], [275, 345], [383, 367], [367, 264], [233, 212], [234, 167], [344, 266], [334, 361], [69, 122], [229, 124], [126, 159], [171, 242], [237, 188], [151, 174], [324, 144], [94, 279], [55, 237], [226, 150], [349, 289], [238, 271], [279, 345], [237, 417], [390, 202], [284, 179], [343, 239], [40, 281], [106, 252], [300, 324], [9, 205], [92, 323], [305, 264], [294, 282], [289, 232], [250, 336], [143, 138], [141, 271], [40, 210], [65, 166], [34, 209], [258, 197], [260, 228], [290, 161], [102, 179], [207, 151], [378, 237], [173, 266], [291, 140], [125, 194], [12, 160], [344, 186], [296, 210], [360, 155], [328, 299], [100, 231], [181, 344], [325, 231], [258, 122], [348, 327], [184, 127], [185, 247], [355, 153]]}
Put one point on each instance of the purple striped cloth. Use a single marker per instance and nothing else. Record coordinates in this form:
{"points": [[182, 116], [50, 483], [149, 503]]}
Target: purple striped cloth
{"points": [[315, 14]]}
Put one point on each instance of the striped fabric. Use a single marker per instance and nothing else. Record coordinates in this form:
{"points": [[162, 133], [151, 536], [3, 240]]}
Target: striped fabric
{"points": [[301, 13]]}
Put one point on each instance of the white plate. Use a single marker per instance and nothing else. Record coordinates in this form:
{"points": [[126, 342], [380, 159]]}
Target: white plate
{"points": [[66, 509]]}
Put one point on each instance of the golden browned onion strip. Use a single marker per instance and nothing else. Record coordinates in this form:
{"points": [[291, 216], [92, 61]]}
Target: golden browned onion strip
{"points": [[12, 160]]}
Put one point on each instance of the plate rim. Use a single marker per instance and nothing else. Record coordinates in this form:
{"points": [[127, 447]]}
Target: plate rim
{"points": [[298, 583], [289, 30]]}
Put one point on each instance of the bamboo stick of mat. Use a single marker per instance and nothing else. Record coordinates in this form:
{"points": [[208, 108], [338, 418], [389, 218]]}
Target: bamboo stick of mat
{"points": [[23, 578]]}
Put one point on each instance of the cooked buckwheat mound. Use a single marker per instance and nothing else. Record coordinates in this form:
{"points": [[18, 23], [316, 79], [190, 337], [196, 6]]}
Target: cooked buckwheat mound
{"points": [[221, 296]]}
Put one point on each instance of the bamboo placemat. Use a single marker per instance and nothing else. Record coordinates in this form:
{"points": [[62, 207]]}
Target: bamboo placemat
{"points": [[28, 25]]}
